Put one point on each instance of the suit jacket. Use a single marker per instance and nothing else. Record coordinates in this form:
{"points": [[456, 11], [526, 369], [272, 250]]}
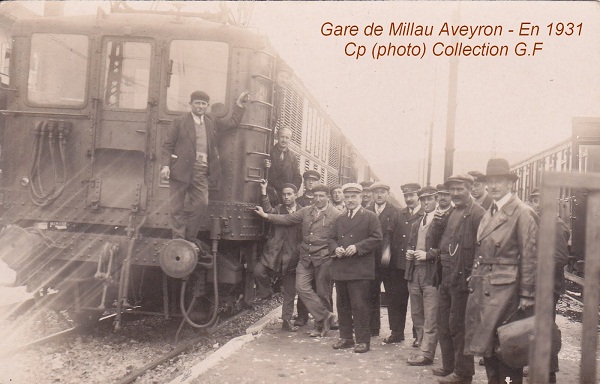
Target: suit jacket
{"points": [[362, 231], [280, 252], [432, 240], [503, 272], [401, 225], [304, 201], [487, 202], [179, 147], [283, 171], [385, 219]]}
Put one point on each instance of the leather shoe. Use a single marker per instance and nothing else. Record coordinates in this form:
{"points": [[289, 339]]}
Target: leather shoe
{"points": [[419, 360], [416, 343], [287, 326], [343, 343], [315, 332], [327, 324], [455, 378], [394, 338], [440, 371], [300, 322], [361, 348], [374, 332]]}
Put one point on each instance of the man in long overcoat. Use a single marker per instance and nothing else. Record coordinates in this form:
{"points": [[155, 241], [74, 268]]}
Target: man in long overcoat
{"points": [[502, 284], [355, 236]]}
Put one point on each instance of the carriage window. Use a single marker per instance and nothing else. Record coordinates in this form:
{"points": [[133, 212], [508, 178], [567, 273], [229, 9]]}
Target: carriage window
{"points": [[58, 66], [589, 158], [196, 66], [127, 75]]}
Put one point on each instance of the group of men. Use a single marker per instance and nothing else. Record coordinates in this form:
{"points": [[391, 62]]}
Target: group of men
{"points": [[463, 253]]}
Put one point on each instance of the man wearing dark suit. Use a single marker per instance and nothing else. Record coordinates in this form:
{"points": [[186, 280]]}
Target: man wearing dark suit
{"points": [[396, 287], [385, 211], [354, 239], [283, 165], [190, 161], [479, 192]]}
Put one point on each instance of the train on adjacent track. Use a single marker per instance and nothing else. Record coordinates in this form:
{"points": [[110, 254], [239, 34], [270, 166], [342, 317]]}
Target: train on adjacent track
{"points": [[83, 117], [579, 153]]}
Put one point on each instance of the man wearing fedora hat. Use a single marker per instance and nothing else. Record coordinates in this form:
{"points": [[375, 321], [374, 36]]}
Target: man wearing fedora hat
{"points": [[355, 236], [394, 264], [385, 211], [502, 284], [457, 247], [190, 161], [422, 278]]}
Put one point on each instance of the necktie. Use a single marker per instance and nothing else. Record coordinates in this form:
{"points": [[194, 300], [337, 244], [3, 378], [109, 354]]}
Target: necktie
{"points": [[377, 209], [349, 213], [281, 157], [494, 209], [425, 220]]}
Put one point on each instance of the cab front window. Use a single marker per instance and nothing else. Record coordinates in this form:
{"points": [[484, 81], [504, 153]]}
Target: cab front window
{"points": [[58, 66]]}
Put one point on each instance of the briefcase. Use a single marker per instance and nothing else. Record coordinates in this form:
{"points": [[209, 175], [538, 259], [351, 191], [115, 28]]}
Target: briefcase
{"points": [[515, 338]]}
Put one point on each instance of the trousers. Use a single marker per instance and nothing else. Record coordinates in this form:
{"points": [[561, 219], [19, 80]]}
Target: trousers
{"points": [[185, 225], [263, 288], [396, 291], [424, 300], [353, 309], [317, 302]]}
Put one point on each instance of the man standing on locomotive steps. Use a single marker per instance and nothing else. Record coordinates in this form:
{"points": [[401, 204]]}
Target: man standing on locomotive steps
{"points": [[502, 284], [283, 166], [315, 261], [190, 161]]}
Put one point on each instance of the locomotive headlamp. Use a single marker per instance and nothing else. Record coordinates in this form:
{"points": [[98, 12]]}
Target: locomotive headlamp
{"points": [[178, 258], [24, 182]]}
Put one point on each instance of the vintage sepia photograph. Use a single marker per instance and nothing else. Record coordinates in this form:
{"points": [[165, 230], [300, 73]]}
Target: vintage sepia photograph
{"points": [[299, 191]]}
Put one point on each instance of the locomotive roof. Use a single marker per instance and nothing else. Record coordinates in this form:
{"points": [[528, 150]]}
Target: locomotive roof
{"points": [[144, 25]]}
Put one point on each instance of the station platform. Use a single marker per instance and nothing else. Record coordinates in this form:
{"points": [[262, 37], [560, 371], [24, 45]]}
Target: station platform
{"points": [[271, 355]]}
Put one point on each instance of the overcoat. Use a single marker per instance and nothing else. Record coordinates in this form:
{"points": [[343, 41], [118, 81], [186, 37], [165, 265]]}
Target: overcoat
{"points": [[362, 231], [179, 146], [503, 272], [385, 219], [401, 225], [281, 253]]}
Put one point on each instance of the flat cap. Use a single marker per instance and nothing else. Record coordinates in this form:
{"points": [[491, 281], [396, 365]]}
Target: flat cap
{"points": [[311, 173], [289, 185], [366, 185], [352, 187], [410, 188], [379, 185], [199, 95], [477, 176], [426, 191], [460, 178], [320, 188], [441, 188], [535, 192]]}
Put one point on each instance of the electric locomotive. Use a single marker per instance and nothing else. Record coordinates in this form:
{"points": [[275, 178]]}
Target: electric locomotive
{"points": [[83, 118]]}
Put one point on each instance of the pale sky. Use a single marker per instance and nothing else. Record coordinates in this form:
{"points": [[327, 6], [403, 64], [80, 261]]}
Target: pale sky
{"points": [[509, 106]]}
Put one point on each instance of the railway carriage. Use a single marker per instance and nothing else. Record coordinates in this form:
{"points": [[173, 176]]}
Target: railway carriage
{"points": [[83, 117], [579, 153]]}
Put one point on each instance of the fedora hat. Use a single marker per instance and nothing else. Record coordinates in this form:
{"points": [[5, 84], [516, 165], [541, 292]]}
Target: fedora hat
{"points": [[499, 167]]}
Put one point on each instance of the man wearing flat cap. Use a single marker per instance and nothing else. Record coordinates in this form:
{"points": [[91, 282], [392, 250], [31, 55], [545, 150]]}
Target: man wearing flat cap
{"points": [[421, 256], [367, 195], [502, 284], [394, 266], [311, 179], [444, 201], [280, 254], [190, 161], [385, 211], [457, 247], [355, 236], [479, 192], [337, 197], [315, 260]]}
